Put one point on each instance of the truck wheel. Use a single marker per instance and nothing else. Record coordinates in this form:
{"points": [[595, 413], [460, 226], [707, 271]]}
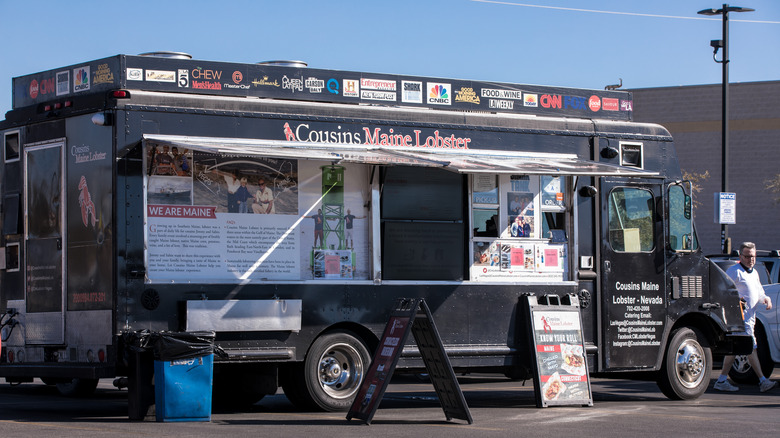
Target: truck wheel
{"points": [[331, 375], [78, 387], [687, 365], [741, 371]]}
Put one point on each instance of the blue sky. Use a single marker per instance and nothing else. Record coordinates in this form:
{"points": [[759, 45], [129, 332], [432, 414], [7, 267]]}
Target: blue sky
{"points": [[569, 43]]}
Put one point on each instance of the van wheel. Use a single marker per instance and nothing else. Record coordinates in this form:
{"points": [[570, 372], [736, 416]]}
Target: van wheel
{"points": [[331, 375], [742, 372], [687, 365], [78, 387]]}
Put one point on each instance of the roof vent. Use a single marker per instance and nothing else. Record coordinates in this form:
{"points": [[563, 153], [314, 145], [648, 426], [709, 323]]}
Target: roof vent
{"points": [[169, 55], [284, 63]]}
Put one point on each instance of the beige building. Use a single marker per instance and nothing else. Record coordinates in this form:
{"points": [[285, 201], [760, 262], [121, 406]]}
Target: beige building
{"points": [[693, 116]]}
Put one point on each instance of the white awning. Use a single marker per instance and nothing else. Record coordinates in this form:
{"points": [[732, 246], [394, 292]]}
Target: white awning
{"points": [[462, 161]]}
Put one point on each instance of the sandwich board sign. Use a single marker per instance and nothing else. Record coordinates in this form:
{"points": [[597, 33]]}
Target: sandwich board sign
{"points": [[410, 315], [560, 367]]}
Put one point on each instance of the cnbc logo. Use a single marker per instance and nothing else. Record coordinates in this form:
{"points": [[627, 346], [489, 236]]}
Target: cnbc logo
{"points": [[81, 79], [438, 93]]}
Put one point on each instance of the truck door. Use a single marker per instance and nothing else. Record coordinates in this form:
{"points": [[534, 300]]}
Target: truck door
{"points": [[633, 272], [44, 286]]}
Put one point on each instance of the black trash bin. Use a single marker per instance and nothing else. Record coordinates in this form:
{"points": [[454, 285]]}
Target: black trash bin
{"points": [[140, 379], [183, 374]]}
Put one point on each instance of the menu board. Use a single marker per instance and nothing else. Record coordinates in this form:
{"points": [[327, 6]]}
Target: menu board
{"points": [[560, 361]]}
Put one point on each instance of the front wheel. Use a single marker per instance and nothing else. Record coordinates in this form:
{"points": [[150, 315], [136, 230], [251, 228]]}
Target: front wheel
{"points": [[687, 365], [331, 374]]}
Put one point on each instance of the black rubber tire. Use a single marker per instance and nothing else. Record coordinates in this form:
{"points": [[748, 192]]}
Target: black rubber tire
{"points": [[687, 364], [742, 372], [293, 383], [78, 387], [331, 375]]}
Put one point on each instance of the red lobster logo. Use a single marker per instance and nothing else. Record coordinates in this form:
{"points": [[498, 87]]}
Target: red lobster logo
{"points": [[85, 202], [546, 325], [288, 132]]}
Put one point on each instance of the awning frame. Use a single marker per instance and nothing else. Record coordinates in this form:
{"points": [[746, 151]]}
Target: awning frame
{"points": [[460, 161]]}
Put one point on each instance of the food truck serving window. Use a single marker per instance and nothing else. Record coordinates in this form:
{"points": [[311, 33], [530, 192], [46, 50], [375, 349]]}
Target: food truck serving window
{"points": [[518, 228], [422, 224]]}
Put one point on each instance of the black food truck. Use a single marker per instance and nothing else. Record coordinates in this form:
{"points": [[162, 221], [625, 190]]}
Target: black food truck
{"points": [[287, 209]]}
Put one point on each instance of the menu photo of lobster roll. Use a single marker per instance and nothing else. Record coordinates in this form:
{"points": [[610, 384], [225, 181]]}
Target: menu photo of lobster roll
{"points": [[553, 388], [573, 360]]}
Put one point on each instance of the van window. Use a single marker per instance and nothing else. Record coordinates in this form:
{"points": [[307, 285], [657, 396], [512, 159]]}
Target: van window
{"points": [[631, 220], [681, 235]]}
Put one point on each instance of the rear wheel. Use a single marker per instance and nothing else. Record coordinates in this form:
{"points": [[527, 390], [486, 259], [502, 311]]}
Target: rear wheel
{"points": [[687, 365], [330, 377], [742, 372]]}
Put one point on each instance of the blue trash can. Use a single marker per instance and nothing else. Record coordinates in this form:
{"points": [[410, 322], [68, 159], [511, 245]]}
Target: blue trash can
{"points": [[183, 375], [182, 389]]}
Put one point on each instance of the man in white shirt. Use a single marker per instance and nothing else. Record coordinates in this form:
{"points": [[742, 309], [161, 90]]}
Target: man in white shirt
{"points": [[752, 293]]}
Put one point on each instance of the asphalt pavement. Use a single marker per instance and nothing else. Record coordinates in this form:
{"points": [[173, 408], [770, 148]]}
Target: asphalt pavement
{"points": [[499, 407]]}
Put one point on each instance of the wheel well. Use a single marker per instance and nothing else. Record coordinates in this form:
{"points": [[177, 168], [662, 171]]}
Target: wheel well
{"points": [[362, 332], [703, 324], [760, 325]]}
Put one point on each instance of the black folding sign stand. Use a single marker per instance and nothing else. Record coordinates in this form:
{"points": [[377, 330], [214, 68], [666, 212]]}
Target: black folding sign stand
{"points": [[410, 313]]}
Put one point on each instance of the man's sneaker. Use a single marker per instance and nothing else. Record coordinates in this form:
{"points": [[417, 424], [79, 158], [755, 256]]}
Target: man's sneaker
{"points": [[727, 386], [766, 385]]}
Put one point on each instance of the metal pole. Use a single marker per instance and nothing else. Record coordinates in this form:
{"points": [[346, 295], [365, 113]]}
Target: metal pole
{"points": [[724, 230], [724, 43]]}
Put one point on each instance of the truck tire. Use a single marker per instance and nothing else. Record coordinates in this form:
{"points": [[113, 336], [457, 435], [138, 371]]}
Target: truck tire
{"points": [[742, 372], [687, 365], [77, 387], [330, 377]]}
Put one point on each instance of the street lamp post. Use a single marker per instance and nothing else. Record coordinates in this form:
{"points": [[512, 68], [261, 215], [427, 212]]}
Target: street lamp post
{"points": [[717, 44]]}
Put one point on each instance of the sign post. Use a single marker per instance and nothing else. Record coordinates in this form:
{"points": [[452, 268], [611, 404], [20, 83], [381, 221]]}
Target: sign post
{"points": [[414, 314]]}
